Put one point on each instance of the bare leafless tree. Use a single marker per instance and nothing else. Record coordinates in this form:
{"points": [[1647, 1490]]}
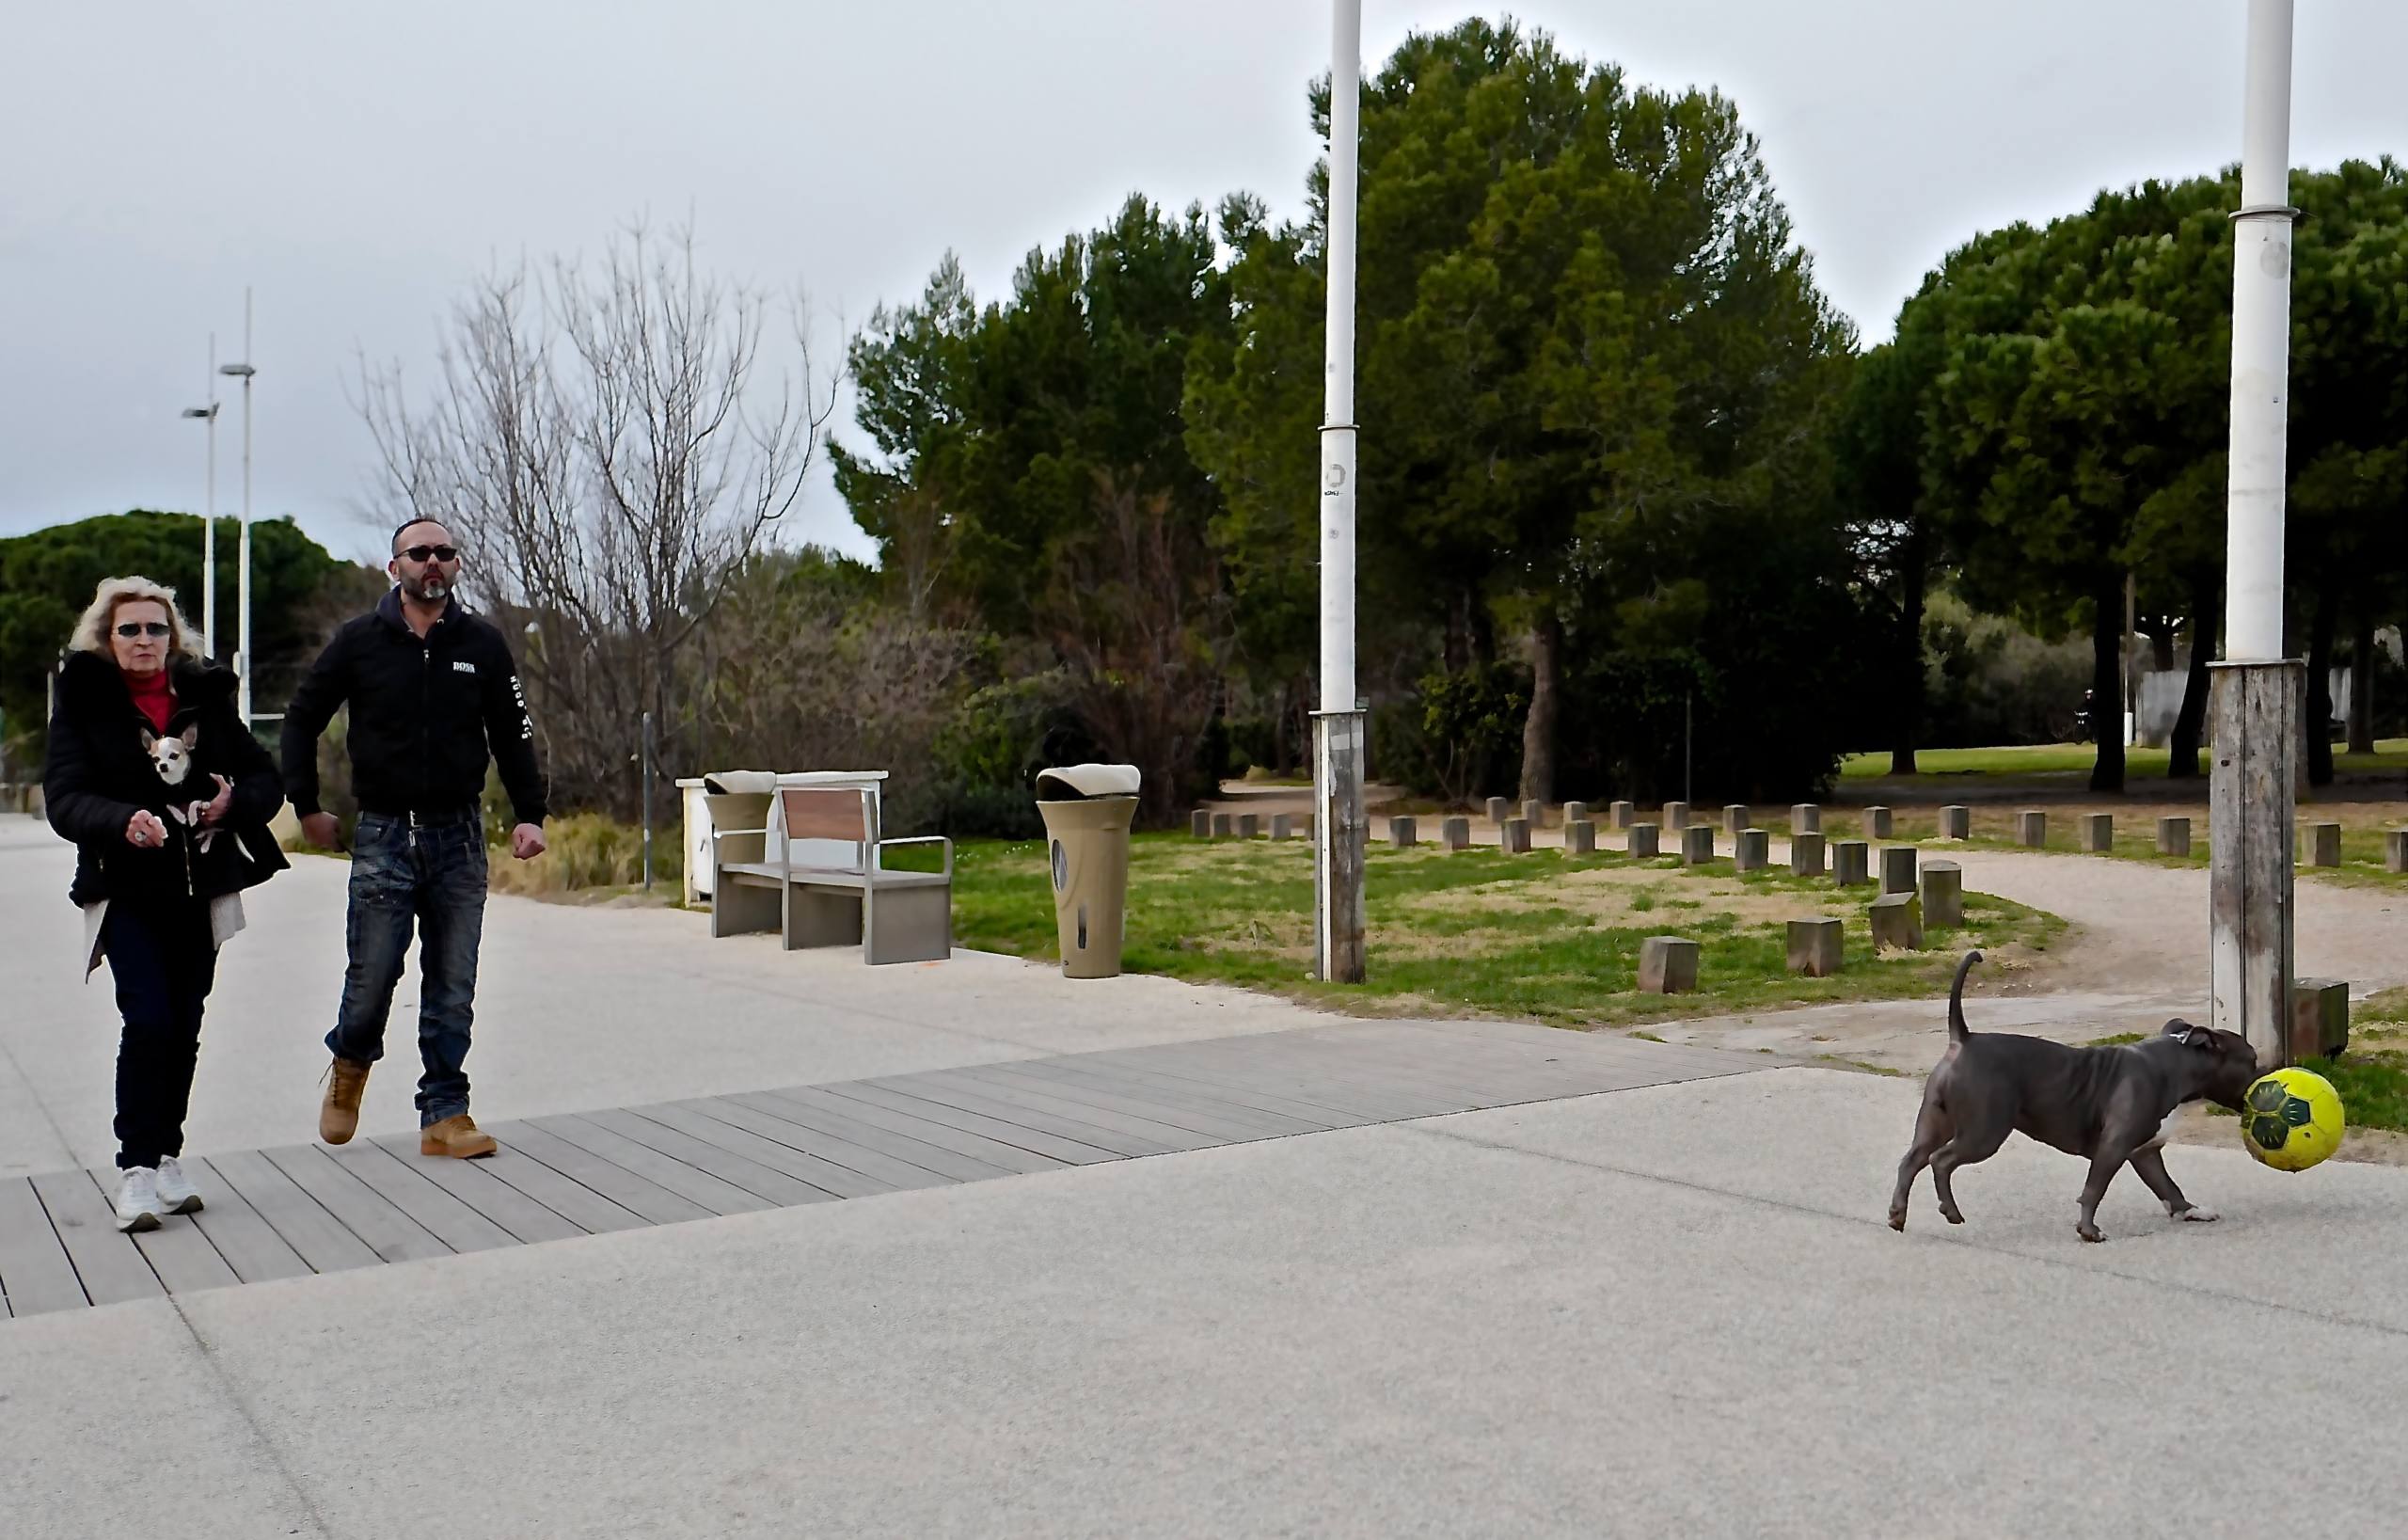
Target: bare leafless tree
{"points": [[609, 444]]}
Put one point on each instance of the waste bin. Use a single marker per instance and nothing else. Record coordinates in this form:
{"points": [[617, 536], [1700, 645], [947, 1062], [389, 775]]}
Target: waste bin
{"points": [[1087, 809]]}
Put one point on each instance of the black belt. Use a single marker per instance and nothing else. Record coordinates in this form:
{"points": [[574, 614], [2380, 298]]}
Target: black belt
{"points": [[420, 818]]}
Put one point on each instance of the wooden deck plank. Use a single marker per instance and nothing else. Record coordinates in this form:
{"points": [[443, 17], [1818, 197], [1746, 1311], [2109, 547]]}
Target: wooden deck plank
{"points": [[514, 1171], [1461, 1078], [918, 1121], [178, 1251], [429, 1206], [1414, 1094], [111, 1267], [1170, 1093], [1069, 1151], [518, 1215], [1196, 1116], [249, 1243], [989, 1102], [758, 1178], [1261, 1069], [813, 1109], [994, 1081], [690, 1117], [318, 1237], [34, 1266], [362, 1209], [699, 1187], [754, 1112], [647, 1199]]}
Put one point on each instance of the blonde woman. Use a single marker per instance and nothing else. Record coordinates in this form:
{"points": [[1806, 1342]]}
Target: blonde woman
{"points": [[166, 796]]}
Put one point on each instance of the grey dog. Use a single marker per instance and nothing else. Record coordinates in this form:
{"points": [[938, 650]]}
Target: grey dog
{"points": [[2106, 1104]]}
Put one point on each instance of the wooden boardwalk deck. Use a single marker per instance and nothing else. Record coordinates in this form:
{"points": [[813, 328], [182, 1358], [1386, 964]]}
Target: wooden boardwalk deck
{"points": [[309, 1208]]}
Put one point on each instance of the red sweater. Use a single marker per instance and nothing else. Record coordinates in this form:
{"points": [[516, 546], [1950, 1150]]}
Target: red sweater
{"points": [[152, 693]]}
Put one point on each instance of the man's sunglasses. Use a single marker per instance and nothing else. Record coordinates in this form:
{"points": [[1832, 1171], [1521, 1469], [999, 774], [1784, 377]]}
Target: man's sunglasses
{"points": [[430, 554], [133, 628]]}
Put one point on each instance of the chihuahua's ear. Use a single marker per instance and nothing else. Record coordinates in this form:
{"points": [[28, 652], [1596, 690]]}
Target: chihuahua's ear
{"points": [[2189, 1036], [149, 737], [191, 734]]}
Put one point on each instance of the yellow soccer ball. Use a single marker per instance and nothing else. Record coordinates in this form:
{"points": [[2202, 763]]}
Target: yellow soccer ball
{"points": [[2292, 1119]]}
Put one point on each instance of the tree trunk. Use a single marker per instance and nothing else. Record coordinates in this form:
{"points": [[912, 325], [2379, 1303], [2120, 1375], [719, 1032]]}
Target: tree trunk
{"points": [[2318, 717], [2206, 615], [2362, 683], [2106, 679], [1906, 718], [1538, 727], [2161, 643]]}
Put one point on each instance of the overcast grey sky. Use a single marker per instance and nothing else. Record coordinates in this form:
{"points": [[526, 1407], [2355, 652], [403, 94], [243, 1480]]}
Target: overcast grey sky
{"points": [[355, 163]]}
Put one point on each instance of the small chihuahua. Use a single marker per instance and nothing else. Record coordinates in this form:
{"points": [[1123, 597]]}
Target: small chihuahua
{"points": [[171, 756]]}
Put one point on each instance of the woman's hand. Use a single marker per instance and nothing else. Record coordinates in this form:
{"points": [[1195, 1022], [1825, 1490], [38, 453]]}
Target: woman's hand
{"points": [[144, 832], [217, 807]]}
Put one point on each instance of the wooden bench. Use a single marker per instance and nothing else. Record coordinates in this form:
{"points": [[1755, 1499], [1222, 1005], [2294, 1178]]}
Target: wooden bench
{"points": [[896, 917]]}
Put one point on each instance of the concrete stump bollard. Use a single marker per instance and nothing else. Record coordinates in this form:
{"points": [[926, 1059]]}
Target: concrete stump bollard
{"points": [[1496, 813], [1878, 823], [1574, 813], [1734, 818], [1513, 837], [1283, 826], [1199, 824], [1580, 837], [1623, 814], [2324, 844], [1224, 825], [1897, 868], [1751, 851], [2098, 832], [1943, 895], [1534, 814], [1249, 825], [1676, 817], [1404, 834], [2395, 850], [1806, 818], [1852, 863], [2174, 836], [1806, 855], [1697, 844], [1897, 923], [1955, 823], [1667, 965], [1643, 839], [2031, 828], [1814, 948], [2320, 1018], [1455, 833]]}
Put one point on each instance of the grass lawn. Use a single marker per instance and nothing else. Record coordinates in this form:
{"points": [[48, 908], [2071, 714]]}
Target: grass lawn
{"points": [[1541, 937], [2077, 758]]}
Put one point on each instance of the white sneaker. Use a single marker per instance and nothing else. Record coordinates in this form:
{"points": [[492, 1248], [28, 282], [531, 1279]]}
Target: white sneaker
{"points": [[137, 1199], [176, 1192]]}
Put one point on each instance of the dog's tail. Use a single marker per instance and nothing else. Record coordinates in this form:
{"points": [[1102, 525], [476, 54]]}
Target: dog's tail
{"points": [[1956, 998]]}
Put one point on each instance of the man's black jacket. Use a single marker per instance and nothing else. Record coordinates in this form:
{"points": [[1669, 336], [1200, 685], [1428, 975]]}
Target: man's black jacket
{"points": [[423, 713]]}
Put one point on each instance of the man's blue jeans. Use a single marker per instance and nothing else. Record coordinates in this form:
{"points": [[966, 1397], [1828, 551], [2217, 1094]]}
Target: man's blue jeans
{"points": [[433, 876]]}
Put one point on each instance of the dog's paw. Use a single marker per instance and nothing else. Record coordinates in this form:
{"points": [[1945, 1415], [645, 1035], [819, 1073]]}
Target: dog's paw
{"points": [[1953, 1216], [1897, 1219], [2090, 1232], [2199, 1216]]}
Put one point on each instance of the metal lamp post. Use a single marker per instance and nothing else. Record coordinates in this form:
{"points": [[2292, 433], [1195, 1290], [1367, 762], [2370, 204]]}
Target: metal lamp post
{"points": [[2257, 697], [209, 518], [243, 588], [1339, 826]]}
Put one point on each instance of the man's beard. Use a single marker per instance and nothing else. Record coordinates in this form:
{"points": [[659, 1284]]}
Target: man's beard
{"points": [[428, 589]]}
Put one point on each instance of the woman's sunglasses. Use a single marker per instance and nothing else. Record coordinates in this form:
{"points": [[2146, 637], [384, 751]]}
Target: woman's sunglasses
{"points": [[423, 554], [132, 629]]}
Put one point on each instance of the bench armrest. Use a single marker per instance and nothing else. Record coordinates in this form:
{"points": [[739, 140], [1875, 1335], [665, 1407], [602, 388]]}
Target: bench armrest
{"points": [[885, 845]]}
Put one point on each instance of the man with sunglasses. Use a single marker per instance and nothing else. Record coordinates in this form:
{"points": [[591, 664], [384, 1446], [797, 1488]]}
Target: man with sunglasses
{"points": [[432, 690]]}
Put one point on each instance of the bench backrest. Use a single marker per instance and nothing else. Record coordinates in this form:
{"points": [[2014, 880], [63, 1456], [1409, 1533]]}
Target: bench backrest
{"points": [[826, 814]]}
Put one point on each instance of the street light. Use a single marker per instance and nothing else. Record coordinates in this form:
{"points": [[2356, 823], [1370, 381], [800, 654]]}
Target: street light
{"points": [[209, 520], [243, 588]]}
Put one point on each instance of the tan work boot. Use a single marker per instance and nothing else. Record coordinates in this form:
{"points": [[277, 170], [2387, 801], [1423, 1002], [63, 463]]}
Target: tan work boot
{"points": [[338, 1115], [457, 1136]]}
